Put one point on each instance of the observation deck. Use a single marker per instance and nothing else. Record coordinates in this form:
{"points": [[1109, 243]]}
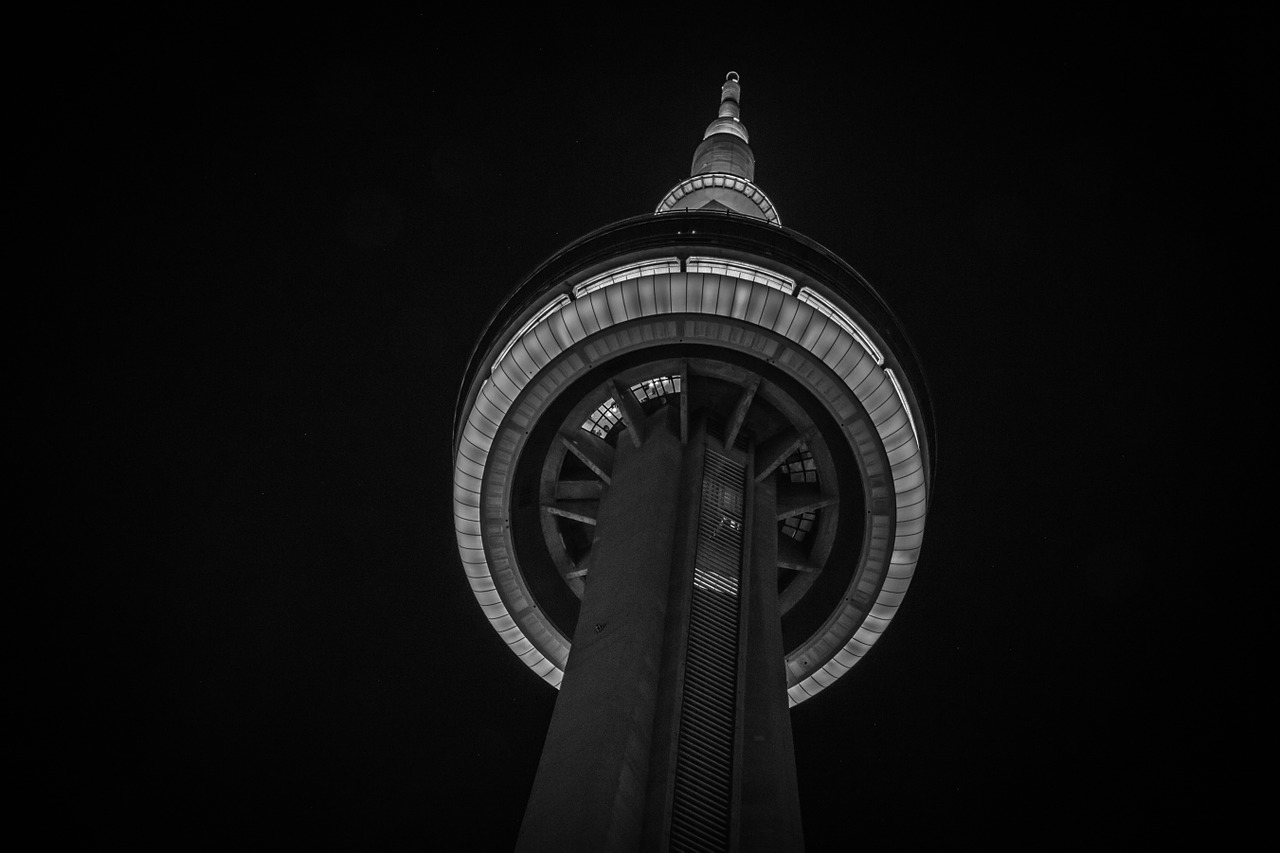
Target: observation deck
{"points": [[733, 321]]}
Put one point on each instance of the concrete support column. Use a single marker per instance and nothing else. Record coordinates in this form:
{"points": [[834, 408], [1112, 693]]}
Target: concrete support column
{"points": [[589, 794], [769, 801]]}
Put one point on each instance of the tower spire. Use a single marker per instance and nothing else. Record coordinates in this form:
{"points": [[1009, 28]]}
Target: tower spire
{"points": [[728, 120], [723, 166], [725, 146]]}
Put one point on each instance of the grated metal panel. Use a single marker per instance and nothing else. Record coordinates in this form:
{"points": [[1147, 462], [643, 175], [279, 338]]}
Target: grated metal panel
{"points": [[702, 802]]}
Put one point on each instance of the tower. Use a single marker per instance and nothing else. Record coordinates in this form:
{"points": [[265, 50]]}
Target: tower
{"points": [[692, 463]]}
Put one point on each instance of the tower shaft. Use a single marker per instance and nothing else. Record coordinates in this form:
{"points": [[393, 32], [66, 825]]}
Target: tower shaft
{"points": [[671, 730]]}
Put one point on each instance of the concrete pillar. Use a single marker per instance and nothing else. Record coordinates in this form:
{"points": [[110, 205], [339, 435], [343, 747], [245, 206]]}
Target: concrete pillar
{"points": [[768, 813], [590, 790]]}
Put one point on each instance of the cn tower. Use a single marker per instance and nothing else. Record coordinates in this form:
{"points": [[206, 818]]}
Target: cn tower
{"points": [[692, 466]]}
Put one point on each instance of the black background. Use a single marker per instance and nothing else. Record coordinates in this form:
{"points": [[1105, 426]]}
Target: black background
{"points": [[262, 251]]}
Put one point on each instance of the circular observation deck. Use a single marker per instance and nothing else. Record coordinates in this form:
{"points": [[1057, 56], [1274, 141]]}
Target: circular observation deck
{"points": [[766, 335]]}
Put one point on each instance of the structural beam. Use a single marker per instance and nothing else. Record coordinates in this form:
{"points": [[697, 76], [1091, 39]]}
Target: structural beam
{"points": [[582, 568], [579, 490], [584, 511], [594, 451], [740, 411], [795, 498], [632, 414], [772, 453]]}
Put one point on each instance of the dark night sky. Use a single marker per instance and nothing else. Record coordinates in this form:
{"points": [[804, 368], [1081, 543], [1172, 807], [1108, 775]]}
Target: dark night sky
{"points": [[271, 246]]}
